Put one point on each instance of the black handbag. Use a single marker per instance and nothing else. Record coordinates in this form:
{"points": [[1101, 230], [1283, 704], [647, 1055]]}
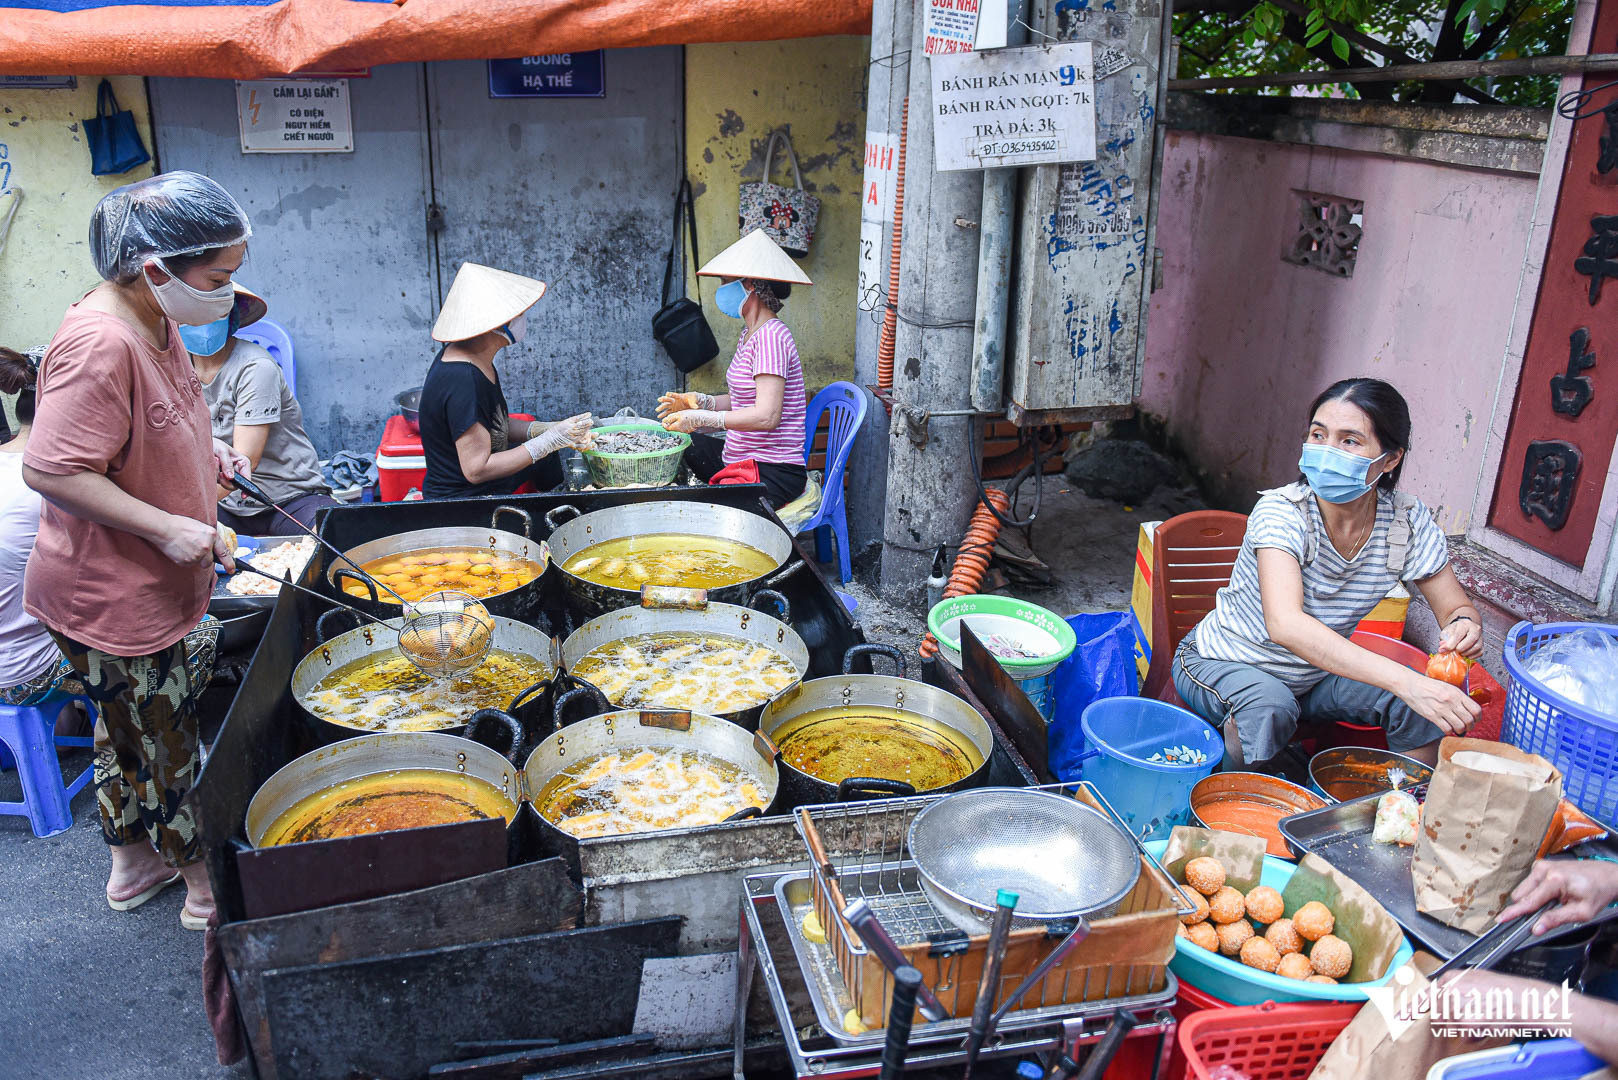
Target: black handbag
{"points": [[115, 145], [679, 325]]}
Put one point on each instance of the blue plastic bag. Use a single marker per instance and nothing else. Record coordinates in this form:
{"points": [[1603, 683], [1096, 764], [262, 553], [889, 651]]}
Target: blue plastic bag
{"points": [[1103, 665]]}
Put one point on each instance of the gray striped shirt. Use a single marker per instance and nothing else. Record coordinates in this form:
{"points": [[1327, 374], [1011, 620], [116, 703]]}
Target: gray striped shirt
{"points": [[1337, 591]]}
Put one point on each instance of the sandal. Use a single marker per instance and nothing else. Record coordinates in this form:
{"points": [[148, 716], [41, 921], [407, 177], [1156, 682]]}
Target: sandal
{"points": [[133, 902], [192, 921]]}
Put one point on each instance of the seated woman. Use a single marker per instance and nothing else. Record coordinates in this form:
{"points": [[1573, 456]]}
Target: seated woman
{"points": [[762, 415], [471, 444], [1318, 556], [253, 409]]}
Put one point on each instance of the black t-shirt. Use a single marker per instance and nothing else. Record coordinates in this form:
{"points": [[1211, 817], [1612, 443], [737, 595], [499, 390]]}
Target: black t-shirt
{"points": [[454, 397]]}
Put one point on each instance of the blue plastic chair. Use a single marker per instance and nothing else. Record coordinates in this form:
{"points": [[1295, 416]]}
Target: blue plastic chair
{"points": [[846, 403], [29, 733], [273, 337]]}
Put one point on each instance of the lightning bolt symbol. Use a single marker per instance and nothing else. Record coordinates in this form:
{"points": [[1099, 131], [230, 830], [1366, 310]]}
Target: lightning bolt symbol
{"points": [[252, 105]]}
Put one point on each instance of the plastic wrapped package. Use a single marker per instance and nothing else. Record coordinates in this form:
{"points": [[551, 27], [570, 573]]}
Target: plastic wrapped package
{"points": [[1582, 667], [175, 213]]}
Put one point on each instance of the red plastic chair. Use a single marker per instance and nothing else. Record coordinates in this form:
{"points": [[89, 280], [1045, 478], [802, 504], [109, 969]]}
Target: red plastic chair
{"points": [[1192, 558]]}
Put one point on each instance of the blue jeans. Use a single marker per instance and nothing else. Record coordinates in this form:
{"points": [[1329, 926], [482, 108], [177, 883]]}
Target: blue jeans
{"points": [[1267, 712]]}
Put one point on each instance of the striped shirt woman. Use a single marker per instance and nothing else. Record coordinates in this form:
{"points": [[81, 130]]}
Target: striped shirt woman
{"points": [[1318, 556]]}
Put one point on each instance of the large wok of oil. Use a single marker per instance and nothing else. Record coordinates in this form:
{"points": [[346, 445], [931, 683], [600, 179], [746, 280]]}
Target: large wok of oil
{"points": [[399, 799], [837, 743]]}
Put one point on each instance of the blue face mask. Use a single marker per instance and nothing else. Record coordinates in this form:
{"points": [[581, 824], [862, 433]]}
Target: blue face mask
{"points": [[1336, 475], [207, 339], [730, 297]]}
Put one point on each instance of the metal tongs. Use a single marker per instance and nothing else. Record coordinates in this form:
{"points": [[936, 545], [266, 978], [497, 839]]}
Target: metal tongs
{"points": [[865, 924], [1495, 945]]}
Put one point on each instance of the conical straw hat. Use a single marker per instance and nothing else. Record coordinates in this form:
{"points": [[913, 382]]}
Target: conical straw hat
{"points": [[483, 298], [755, 256], [250, 306]]}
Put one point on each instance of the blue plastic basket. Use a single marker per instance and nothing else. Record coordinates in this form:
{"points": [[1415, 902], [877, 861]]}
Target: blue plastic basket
{"points": [[1539, 720], [1553, 1059]]}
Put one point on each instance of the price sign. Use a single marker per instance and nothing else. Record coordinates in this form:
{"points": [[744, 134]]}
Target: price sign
{"points": [[1011, 107]]}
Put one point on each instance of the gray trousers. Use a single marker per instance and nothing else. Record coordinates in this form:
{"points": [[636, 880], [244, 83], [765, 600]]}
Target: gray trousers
{"points": [[1267, 712]]}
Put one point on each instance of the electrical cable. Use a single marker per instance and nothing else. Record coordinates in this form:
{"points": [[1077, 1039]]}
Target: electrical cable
{"points": [[973, 452]]}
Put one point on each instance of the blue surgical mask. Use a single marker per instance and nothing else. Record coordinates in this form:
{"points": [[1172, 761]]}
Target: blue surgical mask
{"points": [[730, 297], [207, 339], [1336, 475]]}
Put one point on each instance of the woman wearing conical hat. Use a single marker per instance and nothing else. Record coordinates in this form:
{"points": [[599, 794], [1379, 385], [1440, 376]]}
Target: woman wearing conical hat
{"points": [[762, 414], [471, 444]]}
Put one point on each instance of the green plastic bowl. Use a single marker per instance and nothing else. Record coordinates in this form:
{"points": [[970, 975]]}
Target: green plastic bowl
{"points": [[656, 469], [1033, 627]]}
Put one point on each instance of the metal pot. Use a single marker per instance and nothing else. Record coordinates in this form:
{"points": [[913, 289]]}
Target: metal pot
{"points": [[881, 691], [1349, 772], [572, 532], [690, 611], [522, 603], [369, 639], [382, 752], [409, 402]]}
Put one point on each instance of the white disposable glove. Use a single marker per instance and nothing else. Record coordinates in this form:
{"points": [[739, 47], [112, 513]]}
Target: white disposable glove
{"points": [[574, 432], [691, 421]]}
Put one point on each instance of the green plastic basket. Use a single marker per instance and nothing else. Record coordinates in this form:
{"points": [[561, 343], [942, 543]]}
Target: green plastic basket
{"points": [[656, 469]]}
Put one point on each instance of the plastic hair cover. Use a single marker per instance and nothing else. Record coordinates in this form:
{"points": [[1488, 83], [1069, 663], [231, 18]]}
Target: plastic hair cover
{"points": [[177, 213]]}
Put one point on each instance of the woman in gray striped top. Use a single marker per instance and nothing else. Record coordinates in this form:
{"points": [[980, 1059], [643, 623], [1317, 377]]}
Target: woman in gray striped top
{"points": [[1319, 555]]}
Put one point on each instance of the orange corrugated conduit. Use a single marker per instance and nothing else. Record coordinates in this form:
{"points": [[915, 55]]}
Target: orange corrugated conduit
{"points": [[890, 317], [972, 560]]}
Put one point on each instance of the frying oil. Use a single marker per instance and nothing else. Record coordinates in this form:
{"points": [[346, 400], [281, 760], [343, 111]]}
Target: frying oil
{"points": [[386, 692], [399, 799], [846, 741], [679, 559], [637, 790], [706, 673]]}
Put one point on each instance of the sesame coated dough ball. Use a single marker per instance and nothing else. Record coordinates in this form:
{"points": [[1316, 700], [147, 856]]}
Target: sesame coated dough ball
{"points": [[1294, 966], [1264, 905], [1326, 979], [1313, 921], [1204, 934], [1227, 905], [1202, 908], [1205, 875], [1284, 938], [1331, 956], [1233, 935], [1258, 953]]}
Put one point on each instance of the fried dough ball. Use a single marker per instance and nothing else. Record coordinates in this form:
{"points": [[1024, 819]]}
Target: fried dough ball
{"points": [[1284, 938], [1313, 921], [1331, 956], [1227, 905], [1326, 979], [1202, 909], [1294, 966], [1204, 934], [1233, 935], [1258, 953], [1205, 875], [1264, 905]]}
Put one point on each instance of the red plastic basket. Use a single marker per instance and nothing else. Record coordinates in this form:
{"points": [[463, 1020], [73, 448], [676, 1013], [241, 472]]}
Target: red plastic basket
{"points": [[1262, 1042]]}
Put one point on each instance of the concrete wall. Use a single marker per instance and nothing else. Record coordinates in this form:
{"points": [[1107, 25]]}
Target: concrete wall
{"points": [[46, 262], [815, 89], [1239, 342]]}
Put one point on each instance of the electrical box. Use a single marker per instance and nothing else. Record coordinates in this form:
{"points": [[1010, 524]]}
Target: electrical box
{"points": [[1085, 230]]}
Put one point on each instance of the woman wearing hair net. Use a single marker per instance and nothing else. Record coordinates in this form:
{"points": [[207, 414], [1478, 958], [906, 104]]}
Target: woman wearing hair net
{"points": [[123, 453]]}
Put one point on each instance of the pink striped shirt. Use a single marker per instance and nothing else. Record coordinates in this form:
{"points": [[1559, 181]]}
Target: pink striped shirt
{"points": [[769, 350]]}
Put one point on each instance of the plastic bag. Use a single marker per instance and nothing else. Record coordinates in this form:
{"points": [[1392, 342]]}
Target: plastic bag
{"points": [[1582, 667], [176, 213], [1102, 665]]}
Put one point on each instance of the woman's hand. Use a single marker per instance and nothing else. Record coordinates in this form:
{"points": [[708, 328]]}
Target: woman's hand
{"points": [[228, 463], [1441, 703], [676, 401], [1464, 636], [691, 421], [188, 542], [1581, 888]]}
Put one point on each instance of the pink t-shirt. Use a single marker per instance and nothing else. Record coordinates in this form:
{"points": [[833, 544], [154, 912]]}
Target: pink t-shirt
{"points": [[111, 402], [769, 350]]}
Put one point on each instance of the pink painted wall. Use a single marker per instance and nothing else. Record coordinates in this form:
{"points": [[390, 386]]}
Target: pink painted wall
{"points": [[1239, 342]]}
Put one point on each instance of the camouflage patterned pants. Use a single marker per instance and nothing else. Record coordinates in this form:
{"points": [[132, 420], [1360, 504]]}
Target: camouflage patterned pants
{"points": [[146, 741]]}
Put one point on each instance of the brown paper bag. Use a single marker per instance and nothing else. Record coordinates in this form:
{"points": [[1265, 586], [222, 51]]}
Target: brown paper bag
{"points": [[1241, 856], [1488, 807], [1373, 934], [1369, 1048]]}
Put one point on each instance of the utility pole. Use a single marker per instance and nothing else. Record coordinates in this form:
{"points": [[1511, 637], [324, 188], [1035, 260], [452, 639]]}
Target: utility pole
{"points": [[930, 486]]}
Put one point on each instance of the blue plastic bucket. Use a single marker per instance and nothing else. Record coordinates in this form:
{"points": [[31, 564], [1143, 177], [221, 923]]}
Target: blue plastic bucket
{"points": [[1120, 734]]}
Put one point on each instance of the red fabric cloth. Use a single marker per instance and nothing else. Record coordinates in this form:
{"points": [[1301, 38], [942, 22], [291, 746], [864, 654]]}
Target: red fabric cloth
{"points": [[219, 999], [737, 472]]}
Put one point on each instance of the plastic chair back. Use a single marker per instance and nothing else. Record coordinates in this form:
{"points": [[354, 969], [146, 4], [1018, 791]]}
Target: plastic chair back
{"points": [[272, 336], [846, 405], [1192, 559]]}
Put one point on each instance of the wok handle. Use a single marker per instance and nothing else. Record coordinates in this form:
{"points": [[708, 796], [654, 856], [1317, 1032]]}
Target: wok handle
{"points": [[506, 722], [554, 520], [775, 598], [322, 634], [527, 519], [746, 812], [775, 581], [582, 692], [849, 789], [906, 982], [524, 694], [875, 649], [1107, 1049], [342, 572]]}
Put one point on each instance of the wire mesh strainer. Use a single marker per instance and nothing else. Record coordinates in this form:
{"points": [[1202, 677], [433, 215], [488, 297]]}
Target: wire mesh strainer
{"points": [[1061, 857], [446, 634]]}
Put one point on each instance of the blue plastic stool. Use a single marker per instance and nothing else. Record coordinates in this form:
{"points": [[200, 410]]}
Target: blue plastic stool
{"points": [[28, 731], [846, 403], [274, 339]]}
